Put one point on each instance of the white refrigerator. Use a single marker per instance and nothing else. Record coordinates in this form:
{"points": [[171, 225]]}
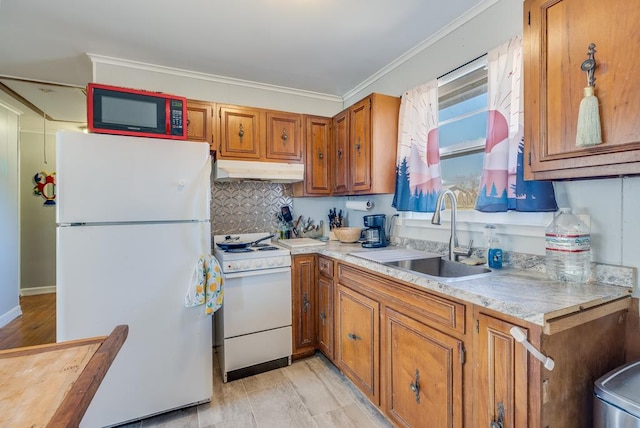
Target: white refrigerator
{"points": [[132, 220]]}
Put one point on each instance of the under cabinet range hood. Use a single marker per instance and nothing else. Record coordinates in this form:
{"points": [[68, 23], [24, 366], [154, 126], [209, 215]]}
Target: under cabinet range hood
{"points": [[276, 172]]}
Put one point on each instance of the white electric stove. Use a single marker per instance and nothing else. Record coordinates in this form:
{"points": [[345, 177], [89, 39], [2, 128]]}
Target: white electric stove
{"points": [[253, 328], [263, 255]]}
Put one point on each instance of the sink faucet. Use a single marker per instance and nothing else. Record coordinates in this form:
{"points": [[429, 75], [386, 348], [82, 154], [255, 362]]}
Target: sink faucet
{"points": [[454, 249]]}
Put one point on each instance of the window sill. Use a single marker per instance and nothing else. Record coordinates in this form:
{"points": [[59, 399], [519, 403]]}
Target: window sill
{"points": [[519, 232]]}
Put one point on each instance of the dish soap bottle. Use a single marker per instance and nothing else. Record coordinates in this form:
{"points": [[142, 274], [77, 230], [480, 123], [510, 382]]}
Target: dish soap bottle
{"points": [[494, 249]]}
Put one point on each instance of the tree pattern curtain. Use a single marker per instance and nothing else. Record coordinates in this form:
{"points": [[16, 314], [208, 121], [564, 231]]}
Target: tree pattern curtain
{"points": [[502, 186], [418, 180]]}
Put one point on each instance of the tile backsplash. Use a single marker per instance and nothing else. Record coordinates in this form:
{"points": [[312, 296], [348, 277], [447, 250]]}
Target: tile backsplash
{"points": [[247, 206]]}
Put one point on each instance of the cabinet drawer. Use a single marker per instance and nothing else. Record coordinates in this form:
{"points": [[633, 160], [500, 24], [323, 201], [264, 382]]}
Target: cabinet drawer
{"points": [[325, 266], [430, 309]]}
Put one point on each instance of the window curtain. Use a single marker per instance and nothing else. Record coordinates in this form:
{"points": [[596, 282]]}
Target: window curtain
{"points": [[418, 179], [502, 186]]}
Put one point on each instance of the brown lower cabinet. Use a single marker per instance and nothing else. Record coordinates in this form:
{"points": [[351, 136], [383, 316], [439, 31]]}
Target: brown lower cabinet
{"points": [[423, 374], [501, 377], [303, 305], [324, 316], [428, 360], [358, 340]]}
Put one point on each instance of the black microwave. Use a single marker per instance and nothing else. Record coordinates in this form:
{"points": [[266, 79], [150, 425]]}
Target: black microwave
{"points": [[124, 111]]}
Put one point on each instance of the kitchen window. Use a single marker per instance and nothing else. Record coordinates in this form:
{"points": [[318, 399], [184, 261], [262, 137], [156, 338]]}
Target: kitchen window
{"points": [[462, 129], [463, 108]]}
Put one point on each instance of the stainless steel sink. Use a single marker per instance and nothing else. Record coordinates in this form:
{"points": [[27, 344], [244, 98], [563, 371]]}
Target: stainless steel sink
{"points": [[441, 269]]}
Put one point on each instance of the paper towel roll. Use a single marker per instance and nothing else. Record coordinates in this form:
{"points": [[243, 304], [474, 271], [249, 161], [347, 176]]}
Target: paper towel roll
{"points": [[359, 205]]}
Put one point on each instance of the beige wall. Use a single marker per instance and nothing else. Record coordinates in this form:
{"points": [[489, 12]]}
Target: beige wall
{"points": [[38, 231]]}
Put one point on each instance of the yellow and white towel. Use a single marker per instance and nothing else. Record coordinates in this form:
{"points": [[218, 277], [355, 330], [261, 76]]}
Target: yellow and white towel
{"points": [[206, 286]]}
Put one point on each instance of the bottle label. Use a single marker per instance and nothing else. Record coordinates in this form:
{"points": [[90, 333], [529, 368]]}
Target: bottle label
{"points": [[568, 243], [494, 258]]}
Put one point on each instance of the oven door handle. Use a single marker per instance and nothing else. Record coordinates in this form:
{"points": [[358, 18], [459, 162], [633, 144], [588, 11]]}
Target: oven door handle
{"points": [[245, 274]]}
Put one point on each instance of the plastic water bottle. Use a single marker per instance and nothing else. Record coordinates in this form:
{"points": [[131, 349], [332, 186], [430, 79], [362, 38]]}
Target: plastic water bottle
{"points": [[568, 248]]}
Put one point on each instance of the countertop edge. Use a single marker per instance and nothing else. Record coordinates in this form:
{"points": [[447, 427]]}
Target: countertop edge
{"points": [[540, 301]]}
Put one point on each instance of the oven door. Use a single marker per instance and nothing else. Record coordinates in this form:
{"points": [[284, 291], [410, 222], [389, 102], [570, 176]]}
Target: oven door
{"points": [[256, 301]]}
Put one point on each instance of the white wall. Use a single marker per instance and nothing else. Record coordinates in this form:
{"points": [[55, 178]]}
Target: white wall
{"points": [[208, 88], [9, 216]]}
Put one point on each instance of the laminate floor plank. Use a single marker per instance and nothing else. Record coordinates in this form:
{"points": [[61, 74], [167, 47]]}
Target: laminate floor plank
{"points": [[36, 325]]}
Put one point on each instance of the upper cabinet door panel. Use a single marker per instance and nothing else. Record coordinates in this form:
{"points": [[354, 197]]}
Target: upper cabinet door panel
{"points": [[557, 37], [240, 132], [199, 121], [360, 146], [284, 137], [341, 152], [318, 165]]}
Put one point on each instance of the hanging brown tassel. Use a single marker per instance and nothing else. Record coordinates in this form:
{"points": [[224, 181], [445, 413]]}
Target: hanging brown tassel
{"points": [[588, 132]]}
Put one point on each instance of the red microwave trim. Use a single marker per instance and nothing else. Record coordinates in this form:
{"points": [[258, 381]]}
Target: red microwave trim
{"points": [[167, 105]]}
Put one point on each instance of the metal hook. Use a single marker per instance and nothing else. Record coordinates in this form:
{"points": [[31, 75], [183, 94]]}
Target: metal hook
{"points": [[589, 65]]}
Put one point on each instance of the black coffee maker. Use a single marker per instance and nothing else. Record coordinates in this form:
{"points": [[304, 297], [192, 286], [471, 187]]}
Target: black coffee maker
{"points": [[374, 234]]}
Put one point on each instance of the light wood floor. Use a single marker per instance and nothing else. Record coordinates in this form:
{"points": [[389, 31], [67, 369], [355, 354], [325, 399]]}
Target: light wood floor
{"points": [[36, 325]]}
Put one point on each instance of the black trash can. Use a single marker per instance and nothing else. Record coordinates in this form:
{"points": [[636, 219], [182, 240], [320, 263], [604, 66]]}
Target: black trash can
{"points": [[616, 400]]}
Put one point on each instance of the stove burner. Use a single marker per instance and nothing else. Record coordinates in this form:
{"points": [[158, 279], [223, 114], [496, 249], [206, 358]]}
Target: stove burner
{"points": [[238, 250], [268, 248]]}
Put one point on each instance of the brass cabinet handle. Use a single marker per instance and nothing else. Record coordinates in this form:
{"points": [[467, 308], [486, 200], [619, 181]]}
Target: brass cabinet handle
{"points": [[284, 135], [415, 386], [353, 336], [500, 422], [357, 145], [320, 155], [323, 317], [340, 153], [241, 132]]}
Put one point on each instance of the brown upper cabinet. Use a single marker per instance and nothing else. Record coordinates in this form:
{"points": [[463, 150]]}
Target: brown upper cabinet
{"points": [[557, 34], [340, 153], [248, 133], [241, 133], [361, 156], [317, 172], [364, 146], [200, 121], [284, 137]]}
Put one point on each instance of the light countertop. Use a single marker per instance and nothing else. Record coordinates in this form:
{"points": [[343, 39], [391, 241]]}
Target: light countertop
{"points": [[526, 295]]}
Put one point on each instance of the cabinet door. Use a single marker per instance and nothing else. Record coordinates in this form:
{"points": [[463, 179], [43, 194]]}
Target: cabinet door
{"points": [[500, 381], [302, 293], [240, 132], [556, 39], [284, 137], [360, 146], [341, 152], [200, 121], [358, 340], [325, 316], [423, 374], [318, 159]]}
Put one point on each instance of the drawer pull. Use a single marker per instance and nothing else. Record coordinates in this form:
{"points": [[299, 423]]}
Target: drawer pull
{"points": [[415, 386], [353, 336], [241, 132]]}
